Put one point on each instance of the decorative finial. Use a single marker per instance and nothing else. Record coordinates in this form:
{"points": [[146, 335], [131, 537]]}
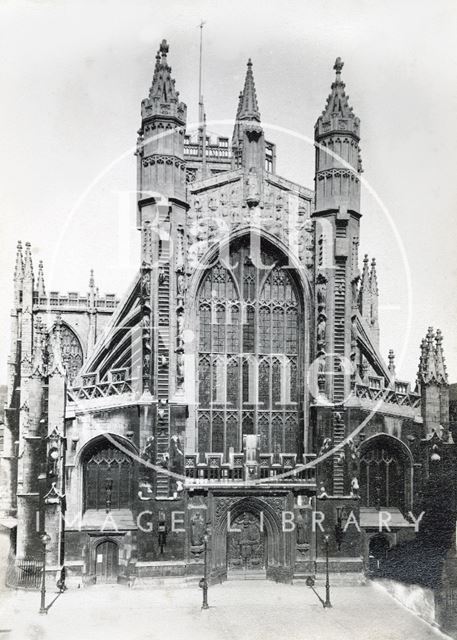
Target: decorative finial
{"points": [[164, 47], [338, 66], [392, 361], [249, 62]]}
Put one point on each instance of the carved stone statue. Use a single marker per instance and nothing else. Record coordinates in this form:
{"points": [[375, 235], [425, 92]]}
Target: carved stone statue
{"points": [[197, 530], [180, 368], [355, 487], [146, 285], [301, 530], [321, 295], [321, 329], [148, 450]]}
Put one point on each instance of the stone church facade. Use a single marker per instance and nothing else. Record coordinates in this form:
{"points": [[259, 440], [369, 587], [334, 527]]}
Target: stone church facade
{"points": [[236, 393]]}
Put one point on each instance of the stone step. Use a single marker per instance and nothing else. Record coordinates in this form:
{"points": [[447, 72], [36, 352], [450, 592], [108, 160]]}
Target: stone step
{"points": [[172, 582], [346, 579]]}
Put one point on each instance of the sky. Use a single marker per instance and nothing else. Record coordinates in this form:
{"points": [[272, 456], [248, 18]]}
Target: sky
{"points": [[72, 77]]}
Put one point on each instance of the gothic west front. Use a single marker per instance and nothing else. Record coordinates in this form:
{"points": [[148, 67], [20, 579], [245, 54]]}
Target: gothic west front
{"points": [[239, 377]]}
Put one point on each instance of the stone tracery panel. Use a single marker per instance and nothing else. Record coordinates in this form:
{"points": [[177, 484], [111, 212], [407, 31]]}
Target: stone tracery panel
{"points": [[249, 320]]}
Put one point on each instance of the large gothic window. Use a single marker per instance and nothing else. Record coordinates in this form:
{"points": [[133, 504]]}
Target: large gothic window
{"points": [[384, 474], [250, 319], [107, 477]]}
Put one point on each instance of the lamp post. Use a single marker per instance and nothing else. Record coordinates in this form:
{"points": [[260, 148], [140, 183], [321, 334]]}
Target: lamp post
{"points": [[205, 604], [203, 584], [327, 604], [45, 540]]}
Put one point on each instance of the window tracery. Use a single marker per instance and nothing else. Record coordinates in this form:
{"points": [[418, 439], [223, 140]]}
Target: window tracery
{"points": [[249, 318], [107, 478]]}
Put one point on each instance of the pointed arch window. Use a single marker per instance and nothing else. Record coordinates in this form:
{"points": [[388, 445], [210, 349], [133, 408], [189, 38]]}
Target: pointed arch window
{"points": [[107, 477], [384, 474], [250, 323]]}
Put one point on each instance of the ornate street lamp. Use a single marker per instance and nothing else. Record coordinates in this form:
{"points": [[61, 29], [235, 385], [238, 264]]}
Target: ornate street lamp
{"points": [[45, 540], [327, 604]]}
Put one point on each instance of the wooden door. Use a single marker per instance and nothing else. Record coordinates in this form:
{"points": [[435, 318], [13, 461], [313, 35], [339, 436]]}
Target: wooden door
{"points": [[246, 545], [107, 562]]}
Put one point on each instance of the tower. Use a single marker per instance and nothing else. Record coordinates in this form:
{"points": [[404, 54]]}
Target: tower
{"points": [[161, 219], [337, 216]]}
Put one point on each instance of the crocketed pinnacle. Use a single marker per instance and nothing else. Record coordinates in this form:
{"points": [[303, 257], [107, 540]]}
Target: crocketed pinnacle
{"points": [[28, 265], [374, 278], [19, 266], [163, 85], [40, 280], [432, 368], [248, 109], [337, 102]]}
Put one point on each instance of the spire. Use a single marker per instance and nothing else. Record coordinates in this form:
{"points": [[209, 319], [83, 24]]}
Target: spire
{"points": [[248, 108], [40, 281], [28, 265], [248, 139], [163, 98], [441, 372], [163, 85]]}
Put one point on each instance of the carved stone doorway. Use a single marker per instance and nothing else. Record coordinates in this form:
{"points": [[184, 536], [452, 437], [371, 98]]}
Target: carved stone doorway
{"points": [[246, 549]]}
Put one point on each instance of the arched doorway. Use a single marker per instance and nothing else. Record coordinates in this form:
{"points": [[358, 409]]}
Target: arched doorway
{"points": [[378, 548], [260, 545], [106, 562], [246, 550]]}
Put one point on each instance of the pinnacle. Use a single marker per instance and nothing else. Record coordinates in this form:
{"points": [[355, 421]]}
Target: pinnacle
{"points": [[432, 368], [40, 280], [163, 85], [248, 107], [28, 265], [337, 102], [374, 278], [19, 268]]}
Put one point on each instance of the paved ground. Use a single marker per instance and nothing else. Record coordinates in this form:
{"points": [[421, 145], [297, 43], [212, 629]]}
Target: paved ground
{"points": [[244, 610]]}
